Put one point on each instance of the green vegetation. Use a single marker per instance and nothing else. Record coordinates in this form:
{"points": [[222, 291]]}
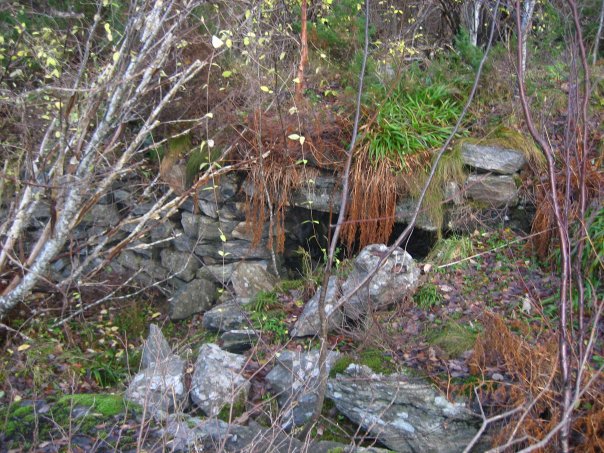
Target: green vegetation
{"points": [[450, 249], [454, 338], [232, 411], [104, 404], [411, 120], [378, 361], [264, 301], [427, 296]]}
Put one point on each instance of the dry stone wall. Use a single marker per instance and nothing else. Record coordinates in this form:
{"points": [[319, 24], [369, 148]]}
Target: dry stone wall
{"points": [[200, 249]]}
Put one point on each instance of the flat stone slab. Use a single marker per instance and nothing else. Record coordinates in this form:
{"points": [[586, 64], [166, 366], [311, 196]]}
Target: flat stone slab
{"points": [[493, 190], [407, 415], [498, 159]]}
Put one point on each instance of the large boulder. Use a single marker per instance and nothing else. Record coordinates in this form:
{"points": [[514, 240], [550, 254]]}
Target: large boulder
{"points": [[250, 278], [495, 158], [396, 278], [189, 433], [308, 324], [295, 380], [407, 415], [156, 347], [492, 190], [160, 387], [195, 297], [217, 379]]}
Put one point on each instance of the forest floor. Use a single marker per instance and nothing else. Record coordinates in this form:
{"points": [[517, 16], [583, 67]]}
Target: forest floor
{"points": [[469, 282]]}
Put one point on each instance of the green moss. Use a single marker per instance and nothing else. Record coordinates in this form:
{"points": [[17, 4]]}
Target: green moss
{"points": [[105, 405], [378, 361], [453, 338], [231, 411], [340, 365]]}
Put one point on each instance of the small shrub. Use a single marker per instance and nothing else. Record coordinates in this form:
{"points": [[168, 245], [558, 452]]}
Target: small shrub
{"points": [[427, 296]]}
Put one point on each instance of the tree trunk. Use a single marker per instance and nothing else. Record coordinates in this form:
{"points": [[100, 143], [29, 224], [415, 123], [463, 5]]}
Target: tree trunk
{"points": [[303, 53]]}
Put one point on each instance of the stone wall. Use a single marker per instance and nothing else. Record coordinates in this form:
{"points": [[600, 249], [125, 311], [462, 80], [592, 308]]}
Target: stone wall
{"points": [[193, 253]]}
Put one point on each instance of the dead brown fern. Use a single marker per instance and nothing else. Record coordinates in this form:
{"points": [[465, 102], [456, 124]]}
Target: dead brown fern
{"points": [[286, 164], [533, 366]]}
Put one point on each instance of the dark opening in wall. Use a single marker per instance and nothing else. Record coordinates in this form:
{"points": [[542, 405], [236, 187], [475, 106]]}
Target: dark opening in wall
{"points": [[308, 232]]}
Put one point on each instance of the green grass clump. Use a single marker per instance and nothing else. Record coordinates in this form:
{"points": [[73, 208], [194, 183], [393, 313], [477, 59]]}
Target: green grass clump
{"points": [[289, 285], [264, 301], [454, 338], [411, 121], [427, 296], [451, 249]]}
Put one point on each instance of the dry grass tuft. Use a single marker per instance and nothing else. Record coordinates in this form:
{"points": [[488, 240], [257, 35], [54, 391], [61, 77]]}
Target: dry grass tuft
{"points": [[371, 213]]}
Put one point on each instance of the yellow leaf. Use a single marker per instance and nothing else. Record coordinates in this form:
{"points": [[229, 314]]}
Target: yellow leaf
{"points": [[282, 56], [293, 137], [246, 41], [296, 80], [157, 314], [229, 43], [265, 88], [116, 56], [24, 347], [227, 74]]}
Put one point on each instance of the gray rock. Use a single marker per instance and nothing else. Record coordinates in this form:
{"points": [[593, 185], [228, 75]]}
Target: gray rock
{"points": [[150, 270], [165, 230], [294, 379], [243, 230], [161, 387], [231, 251], [195, 434], [308, 323], [220, 190], [183, 243], [228, 316], [206, 229], [156, 348], [405, 415], [209, 208], [221, 273], [181, 264], [250, 278], [238, 341], [321, 193], [197, 296], [498, 159], [397, 278], [103, 215], [494, 190], [217, 379]]}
